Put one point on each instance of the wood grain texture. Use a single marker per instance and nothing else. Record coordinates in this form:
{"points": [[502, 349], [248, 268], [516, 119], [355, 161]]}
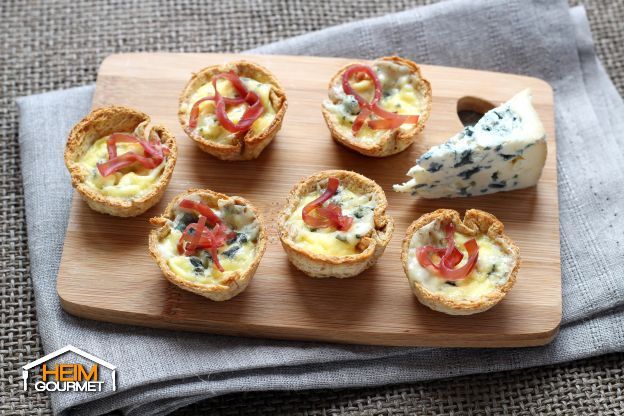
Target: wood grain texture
{"points": [[106, 272]]}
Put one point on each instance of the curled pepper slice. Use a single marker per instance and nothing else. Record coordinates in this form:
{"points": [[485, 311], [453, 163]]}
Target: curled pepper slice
{"points": [[202, 209], [154, 153], [386, 120], [450, 257], [251, 114], [197, 236], [316, 215], [125, 160]]}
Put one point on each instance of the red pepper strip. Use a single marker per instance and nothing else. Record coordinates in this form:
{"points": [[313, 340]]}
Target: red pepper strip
{"points": [[202, 209], [194, 115], [450, 273], [153, 154], [393, 123], [450, 257], [348, 89], [360, 120], [252, 113], [330, 216], [217, 238], [154, 149], [127, 159], [365, 106], [204, 238], [196, 236], [388, 120], [451, 261]]}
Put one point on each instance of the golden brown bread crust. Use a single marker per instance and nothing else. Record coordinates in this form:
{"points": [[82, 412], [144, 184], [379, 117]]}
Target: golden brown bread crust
{"points": [[475, 222], [393, 141], [102, 122], [373, 246], [247, 145], [232, 282]]}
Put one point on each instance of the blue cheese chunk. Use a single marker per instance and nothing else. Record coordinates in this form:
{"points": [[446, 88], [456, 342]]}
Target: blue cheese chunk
{"points": [[505, 150]]}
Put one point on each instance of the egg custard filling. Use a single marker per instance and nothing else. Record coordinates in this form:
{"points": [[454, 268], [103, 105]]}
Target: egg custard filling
{"points": [[203, 243], [124, 166], [466, 268], [332, 220], [240, 105], [372, 100]]}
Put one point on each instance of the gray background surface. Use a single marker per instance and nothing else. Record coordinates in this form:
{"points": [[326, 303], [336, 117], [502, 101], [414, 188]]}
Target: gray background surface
{"points": [[55, 45]]}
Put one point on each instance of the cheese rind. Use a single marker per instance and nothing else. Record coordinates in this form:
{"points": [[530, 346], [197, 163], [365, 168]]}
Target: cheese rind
{"points": [[505, 150]]}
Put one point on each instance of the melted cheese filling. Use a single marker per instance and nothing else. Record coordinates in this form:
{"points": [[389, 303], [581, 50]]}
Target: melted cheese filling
{"points": [[237, 254], [400, 94], [330, 241], [491, 271], [131, 182], [208, 125]]}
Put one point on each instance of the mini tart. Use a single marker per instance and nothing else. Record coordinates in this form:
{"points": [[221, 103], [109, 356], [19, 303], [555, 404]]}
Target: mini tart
{"points": [[326, 252], [239, 257], [214, 139], [486, 285], [131, 191], [405, 92]]}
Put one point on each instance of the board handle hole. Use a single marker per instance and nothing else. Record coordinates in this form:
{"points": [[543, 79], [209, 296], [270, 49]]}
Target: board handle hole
{"points": [[471, 109]]}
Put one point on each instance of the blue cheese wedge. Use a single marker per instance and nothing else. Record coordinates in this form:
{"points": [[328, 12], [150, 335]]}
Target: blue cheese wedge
{"points": [[504, 151]]}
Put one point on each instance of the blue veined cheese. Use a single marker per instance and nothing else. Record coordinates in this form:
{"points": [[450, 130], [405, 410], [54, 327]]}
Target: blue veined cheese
{"points": [[329, 241], [208, 125], [493, 268], [236, 254], [505, 150]]}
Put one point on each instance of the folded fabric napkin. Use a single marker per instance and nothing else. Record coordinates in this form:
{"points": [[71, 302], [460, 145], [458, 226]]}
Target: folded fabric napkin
{"points": [[160, 371]]}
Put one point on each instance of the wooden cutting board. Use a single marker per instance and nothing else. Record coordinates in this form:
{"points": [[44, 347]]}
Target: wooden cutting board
{"points": [[106, 273]]}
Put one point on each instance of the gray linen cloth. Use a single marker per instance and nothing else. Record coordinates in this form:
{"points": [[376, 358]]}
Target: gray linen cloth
{"points": [[160, 371]]}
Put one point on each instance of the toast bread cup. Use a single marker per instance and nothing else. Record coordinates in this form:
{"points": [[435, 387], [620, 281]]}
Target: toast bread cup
{"points": [[388, 142], [370, 246], [475, 224], [230, 282], [100, 123], [244, 145]]}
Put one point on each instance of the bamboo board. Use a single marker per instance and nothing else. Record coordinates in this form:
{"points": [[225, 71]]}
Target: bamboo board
{"points": [[106, 273]]}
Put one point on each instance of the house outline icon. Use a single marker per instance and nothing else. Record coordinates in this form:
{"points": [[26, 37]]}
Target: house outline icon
{"points": [[62, 351]]}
